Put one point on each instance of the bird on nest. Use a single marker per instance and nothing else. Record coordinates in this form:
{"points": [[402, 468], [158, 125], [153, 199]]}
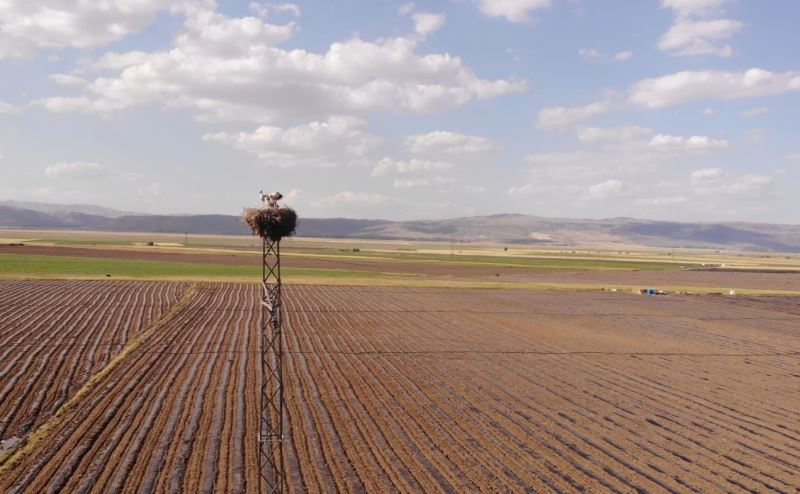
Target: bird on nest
{"points": [[270, 200]]}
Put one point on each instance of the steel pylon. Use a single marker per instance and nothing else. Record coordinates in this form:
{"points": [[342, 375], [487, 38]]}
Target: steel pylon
{"points": [[272, 463]]}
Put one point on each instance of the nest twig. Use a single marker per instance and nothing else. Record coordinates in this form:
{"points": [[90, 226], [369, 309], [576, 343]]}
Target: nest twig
{"points": [[272, 223]]}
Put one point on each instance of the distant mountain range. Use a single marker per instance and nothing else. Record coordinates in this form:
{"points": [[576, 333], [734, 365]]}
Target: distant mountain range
{"points": [[501, 228]]}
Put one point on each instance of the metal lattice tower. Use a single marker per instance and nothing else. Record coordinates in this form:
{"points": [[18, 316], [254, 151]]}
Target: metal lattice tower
{"points": [[273, 468]]}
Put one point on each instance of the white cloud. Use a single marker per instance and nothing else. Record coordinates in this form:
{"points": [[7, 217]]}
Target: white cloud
{"points": [[749, 184], [662, 201], [334, 142], [687, 37], [263, 9], [561, 118], [794, 157], [683, 87], [155, 189], [664, 142], [388, 166], [706, 174], [712, 181], [685, 8], [8, 108], [448, 143], [609, 188], [406, 8], [708, 111], [419, 183], [118, 61], [690, 36], [28, 25], [623, 56], [233, 69], [761, 110], [292, 196], [347, 198], [513, 10], [593, 55], [78, 169], [426, 23], [612, 134], [522, 190], [287, 7], [755, 136], [590, 54], [66, 79]]}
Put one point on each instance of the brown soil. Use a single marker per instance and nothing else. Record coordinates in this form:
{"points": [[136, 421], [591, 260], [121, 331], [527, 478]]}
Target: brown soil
{"points": [[55, 335], [426, 390], [720, 279]]}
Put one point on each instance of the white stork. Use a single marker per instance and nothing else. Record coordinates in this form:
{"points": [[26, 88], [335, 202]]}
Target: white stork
{"points": [[270, 200]]}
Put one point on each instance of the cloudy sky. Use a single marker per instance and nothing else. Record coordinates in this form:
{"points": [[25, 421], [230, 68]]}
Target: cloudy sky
{"points": [[665, 109]]}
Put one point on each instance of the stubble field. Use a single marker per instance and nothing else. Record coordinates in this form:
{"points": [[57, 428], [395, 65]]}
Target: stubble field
{"points": [[406, 390]]}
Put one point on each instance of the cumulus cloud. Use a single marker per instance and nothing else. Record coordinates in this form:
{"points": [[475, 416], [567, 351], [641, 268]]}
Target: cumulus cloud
{"points": [[388, 166], [337, 141], [448, 143], [705, 174], [8, 108], [594, 55], [686, 8], [665, 142], [590, 54], [661, 201], [755, 136], [28, 25], [761, 110], [406, 8], [623, 56], [562, 118], [264, 9], [118, 61], [513, 10], [419, 183], [426, 23], [691, 36], [613, 134], [77, 169], [347, 198], [229, 68], [687, 86], [711, 181], [67, 79], [687, 37], [609, 188]]}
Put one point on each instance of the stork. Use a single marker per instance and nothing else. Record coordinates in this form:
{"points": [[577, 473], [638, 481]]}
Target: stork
{"points": [[270, 200]]}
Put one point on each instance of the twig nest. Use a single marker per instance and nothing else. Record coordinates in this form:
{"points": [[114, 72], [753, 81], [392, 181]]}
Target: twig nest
{"points": [[272, 223]]}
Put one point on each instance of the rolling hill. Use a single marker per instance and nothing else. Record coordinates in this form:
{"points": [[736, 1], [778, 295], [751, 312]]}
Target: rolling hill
{"points": [[503, 228]]}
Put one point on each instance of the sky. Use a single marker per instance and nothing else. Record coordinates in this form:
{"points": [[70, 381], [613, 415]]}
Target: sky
{"points": [[683, 110]]}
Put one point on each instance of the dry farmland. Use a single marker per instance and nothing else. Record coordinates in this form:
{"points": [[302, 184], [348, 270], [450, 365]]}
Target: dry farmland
{"points": [[400, 390]]}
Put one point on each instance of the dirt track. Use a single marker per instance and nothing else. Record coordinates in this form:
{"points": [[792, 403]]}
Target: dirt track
{"points": [[721, 280], [413, 390]]}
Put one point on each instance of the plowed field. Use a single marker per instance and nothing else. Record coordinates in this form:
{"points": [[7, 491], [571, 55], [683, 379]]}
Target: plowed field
{"points": [[54, 335], [425, 390]]}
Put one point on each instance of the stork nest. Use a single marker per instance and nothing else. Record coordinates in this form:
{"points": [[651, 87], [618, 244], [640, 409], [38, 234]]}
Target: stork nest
{"points": [[272, 223]]}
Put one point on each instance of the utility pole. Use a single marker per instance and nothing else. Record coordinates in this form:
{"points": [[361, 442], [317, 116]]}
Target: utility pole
{"points": [[271, 223], [273, 468]]}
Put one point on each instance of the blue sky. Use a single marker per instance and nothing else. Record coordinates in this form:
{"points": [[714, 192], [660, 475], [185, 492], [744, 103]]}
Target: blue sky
{"points": [[665, 109]]}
